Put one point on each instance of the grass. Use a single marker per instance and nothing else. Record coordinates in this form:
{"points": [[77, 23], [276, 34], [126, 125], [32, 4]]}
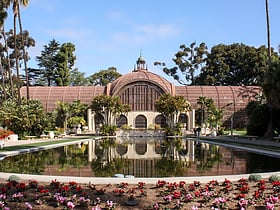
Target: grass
{"points": [[254, 144], [38, 144]]}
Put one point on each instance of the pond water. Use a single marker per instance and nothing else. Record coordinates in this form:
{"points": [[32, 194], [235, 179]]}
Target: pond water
{"points": [[140, 157]]}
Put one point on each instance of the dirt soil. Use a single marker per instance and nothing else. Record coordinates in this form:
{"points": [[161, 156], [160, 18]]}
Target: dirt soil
{"points": [[162, 195]]}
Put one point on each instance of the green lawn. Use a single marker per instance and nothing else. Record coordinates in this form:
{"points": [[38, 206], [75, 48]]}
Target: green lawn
{"points": [[38, 144]]}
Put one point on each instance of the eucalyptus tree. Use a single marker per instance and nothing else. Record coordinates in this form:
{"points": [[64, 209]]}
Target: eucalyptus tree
{"points": [[103, 77], [78, 78], [171, 107], [189, 62]]}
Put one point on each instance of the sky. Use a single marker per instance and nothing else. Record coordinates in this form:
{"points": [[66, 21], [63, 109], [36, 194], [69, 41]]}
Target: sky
{"points": [[113, 33]]}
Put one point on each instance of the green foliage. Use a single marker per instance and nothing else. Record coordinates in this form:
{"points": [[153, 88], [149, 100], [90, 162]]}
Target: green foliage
{"points": [[274, 178], [47, 63], [271, 84], [56, 62], [68, 115], [258, 118], [25, 119], [103, 77], [255, 177], [14, 178], [125, 127], [108, 107], [108, 130], [65, 61], [188, 60], [235, 64], [171, 107], [73, 121], [78, 78]]}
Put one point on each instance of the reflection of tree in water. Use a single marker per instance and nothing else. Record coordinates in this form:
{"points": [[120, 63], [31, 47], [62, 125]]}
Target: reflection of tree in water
{"points": [[167, 166], [171, 163], [31, 163], [106, 163], [206, 156], [73, 156]]}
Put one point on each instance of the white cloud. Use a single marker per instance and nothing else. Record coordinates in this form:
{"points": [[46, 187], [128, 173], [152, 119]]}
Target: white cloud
{"points": [[161, 30], [68, 33]]}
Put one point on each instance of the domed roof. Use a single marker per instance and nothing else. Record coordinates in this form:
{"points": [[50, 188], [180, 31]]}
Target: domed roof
{"points": [[140, 74]]}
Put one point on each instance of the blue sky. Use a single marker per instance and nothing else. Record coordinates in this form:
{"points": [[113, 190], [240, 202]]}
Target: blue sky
{"points": [[110, 33]]}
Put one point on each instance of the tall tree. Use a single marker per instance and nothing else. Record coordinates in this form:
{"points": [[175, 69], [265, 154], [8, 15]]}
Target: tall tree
{"points": [[65, 61], [47, 62], [3, 16], [103, 77], [271, 87], [188, 60], [77, 78], [235, 64], [16, 11], [268, 29]]}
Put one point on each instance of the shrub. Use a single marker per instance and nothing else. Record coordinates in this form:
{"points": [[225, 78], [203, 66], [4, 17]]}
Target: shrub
{"points": [[274, 177], [255, 177], [13, 178]]}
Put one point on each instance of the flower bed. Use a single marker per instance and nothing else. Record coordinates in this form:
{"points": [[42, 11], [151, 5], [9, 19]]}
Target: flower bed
{"points": [[242, 194]]}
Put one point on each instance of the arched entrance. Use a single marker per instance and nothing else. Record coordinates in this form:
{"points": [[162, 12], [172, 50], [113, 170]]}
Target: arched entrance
{"points": [[160, 120], [121, 120], [140, 121]]}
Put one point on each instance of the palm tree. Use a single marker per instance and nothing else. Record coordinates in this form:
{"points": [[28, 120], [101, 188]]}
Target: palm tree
{"points": [[268, 30], [16, 11]]}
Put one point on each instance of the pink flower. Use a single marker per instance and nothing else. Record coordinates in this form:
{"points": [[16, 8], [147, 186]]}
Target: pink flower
{"points": [[96, 208], [269, 206], [194, 208], [28, 206], [70, 205]]}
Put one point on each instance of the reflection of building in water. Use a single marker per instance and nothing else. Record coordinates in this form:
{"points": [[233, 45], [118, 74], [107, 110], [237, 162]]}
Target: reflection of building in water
{"points": [[143, 154]]}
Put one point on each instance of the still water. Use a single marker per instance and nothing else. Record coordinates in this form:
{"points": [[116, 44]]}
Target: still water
{"points": [[140, 157]]}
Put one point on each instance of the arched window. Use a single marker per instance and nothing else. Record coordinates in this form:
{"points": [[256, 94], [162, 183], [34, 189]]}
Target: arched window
{"points": [[141, 121], [98, 119], [183, 118], [121, 120], [160, 120]]}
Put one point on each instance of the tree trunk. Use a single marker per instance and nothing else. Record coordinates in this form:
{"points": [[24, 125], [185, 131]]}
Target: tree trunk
{"points": [[24, 57], [268, 31], [17, 60], [8, 63]]}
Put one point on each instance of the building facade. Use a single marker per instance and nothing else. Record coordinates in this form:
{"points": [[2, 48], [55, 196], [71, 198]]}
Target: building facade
{"points": [[140, 89]]}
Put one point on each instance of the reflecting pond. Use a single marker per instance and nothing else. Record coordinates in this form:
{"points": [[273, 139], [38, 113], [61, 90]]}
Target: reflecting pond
{"points": [[140, 157]]}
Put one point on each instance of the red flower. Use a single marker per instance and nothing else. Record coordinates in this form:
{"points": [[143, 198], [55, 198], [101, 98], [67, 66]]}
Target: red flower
{"points": [[176, 194], [182, 184]]}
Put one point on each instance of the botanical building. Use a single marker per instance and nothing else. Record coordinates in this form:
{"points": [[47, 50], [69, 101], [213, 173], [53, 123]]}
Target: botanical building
{"points": [[140, 89]]}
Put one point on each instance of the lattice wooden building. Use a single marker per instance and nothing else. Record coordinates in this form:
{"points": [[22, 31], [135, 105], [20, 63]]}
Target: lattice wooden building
{"points": [[140, 89]]}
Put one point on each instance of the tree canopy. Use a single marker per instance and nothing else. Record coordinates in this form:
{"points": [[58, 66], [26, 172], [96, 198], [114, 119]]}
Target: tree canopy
{"points": [[103, 77], [171, 107], [234, 64]]}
